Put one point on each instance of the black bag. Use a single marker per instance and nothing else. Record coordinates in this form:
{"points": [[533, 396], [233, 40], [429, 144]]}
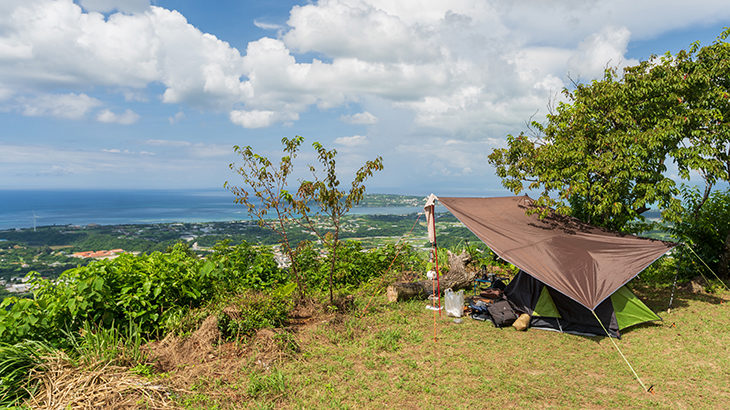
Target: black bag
{"points": [[502, 313], [498, 284]]}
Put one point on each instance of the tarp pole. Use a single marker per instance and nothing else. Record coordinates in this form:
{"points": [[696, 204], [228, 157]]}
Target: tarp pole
{"points": [[436, 256], [622, 355]]}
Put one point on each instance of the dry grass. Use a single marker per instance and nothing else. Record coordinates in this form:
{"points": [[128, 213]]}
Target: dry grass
{"points": [[64, 385]]}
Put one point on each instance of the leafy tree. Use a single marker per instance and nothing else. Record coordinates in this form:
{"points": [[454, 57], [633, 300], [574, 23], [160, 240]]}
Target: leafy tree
{"points": [[602, 154], [331, 201], [265, 191]]}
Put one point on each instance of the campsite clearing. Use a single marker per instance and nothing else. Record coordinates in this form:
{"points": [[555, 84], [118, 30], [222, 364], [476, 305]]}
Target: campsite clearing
{"points": [[388, 358]]}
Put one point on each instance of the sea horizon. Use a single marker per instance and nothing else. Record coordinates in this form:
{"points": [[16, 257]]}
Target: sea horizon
{"points": [[22, 208]]}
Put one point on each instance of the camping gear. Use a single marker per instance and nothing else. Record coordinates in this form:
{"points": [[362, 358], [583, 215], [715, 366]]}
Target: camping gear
{"points": [[522, 322], [551, 310], [454, 302], [491, 293], [502, 313], [580, 265]]}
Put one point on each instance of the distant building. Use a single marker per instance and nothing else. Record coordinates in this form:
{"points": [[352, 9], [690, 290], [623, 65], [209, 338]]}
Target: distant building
{"points": [[18, 288], [110, 254]]}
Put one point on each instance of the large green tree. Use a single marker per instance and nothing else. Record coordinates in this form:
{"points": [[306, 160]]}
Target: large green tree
{"points": [[602, 154]]}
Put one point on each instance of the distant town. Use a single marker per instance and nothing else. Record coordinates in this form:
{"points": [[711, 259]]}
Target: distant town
{"points": [[50, 250]]}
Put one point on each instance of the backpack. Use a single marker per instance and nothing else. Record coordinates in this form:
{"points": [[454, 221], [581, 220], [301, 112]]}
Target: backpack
{"points": [[502, 313]]}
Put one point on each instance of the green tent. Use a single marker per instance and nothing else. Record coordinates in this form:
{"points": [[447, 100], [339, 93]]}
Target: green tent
{"points": [[628, 311]]}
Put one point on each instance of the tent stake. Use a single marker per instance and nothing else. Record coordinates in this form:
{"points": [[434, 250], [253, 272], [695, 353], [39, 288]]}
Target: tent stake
{"points": [[651, 389], [674, 286]]}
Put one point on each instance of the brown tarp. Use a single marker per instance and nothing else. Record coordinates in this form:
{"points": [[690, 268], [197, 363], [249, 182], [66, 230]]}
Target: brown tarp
{"points": [[583, 262]]}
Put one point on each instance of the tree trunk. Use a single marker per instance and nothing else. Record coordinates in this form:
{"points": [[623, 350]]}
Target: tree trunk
{"points": [[457, 278]]}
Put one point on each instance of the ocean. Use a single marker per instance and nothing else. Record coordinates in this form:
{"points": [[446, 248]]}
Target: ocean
{"points": [[23, 208]]}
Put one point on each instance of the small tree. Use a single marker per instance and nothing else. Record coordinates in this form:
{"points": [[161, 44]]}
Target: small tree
{"points": [[324, 192], [264, 190]]}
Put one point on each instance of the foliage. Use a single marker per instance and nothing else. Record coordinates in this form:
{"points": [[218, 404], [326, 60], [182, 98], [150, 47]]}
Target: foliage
{"points": [[16, 362], [705, 228], [251, 311], [146, 290], [96, 345], [331, 201], [601, 156], [243, 266], [355, 266], [265, 190], [596, 158]]}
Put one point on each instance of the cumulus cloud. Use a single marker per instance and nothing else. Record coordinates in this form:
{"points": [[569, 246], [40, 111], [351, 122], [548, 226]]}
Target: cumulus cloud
{"points": [[69, 106], [259, 118], [364, 118], [125, 118], [105, 6], [463, 66], [352, 141], [47, 45]]}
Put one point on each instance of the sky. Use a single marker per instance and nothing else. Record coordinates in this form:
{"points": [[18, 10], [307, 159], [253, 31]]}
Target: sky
{"points": [[154, 94]]}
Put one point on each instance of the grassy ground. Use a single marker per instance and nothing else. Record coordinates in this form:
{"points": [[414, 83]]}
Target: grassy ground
{"points": [[389, 359]]}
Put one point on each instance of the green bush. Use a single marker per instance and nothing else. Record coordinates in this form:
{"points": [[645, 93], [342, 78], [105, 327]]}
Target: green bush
{"points": [[705, 231], [355, 265], [147, 290], [243, 266], [253, 310]]}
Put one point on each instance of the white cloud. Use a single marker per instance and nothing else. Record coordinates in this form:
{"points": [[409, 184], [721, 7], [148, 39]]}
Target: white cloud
{"points": [[353, 141], [267, 26], [176, 118], [48, 45], [463, 66], [126, 118], [364, 118], [69, 106], [260, 118], [105, 6], [167, 143]]}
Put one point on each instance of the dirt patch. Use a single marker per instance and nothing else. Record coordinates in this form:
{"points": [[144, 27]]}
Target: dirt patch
{"points": [[173, 352]]}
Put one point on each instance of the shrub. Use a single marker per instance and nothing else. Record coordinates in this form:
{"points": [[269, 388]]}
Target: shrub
{"points": [[705, 229], [147, 290]]}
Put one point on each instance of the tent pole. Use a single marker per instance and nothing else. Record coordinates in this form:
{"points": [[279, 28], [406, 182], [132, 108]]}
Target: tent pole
{"points": [[650, 389]]}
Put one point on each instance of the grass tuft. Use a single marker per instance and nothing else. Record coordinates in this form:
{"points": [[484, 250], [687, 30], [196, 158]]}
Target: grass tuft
{"points": [[272, 384], [16, 363]]}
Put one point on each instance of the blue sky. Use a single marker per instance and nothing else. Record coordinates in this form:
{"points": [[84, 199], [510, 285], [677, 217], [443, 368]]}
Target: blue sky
{"points": [[139, 94]]}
